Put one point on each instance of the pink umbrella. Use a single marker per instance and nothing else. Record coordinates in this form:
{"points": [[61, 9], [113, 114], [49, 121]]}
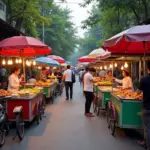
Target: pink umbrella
{"points": [[104, 55], [86, 59], [57, 58], [134, 41]]}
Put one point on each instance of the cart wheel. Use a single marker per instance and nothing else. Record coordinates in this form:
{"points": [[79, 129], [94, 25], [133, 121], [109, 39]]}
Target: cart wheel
{"points": [[38, 116], [98, 109], [2, 134], [7, 128], [108, 116], [112, 122], [112, 127], [20, 125]]}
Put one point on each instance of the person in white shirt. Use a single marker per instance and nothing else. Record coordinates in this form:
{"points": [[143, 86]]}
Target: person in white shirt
{"points": [[102, 73], [67, 77], [126, 81], [32, 80], [80, 75], [14, 81], [88, 91]]}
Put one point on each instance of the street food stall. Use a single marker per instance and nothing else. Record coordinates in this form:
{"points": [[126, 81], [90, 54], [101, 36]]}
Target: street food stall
{"points": [[125, 111], [125, 108], [24, 104]]}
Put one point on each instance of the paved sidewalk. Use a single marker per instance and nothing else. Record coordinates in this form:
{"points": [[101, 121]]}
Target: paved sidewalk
{"points": [[66, 128]]}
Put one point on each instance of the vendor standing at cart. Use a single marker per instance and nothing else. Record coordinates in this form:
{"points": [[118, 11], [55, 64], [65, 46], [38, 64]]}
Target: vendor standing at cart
{"points": [[126, 81], [58, 74], [14, 80], [109, 76], [43, 74]]}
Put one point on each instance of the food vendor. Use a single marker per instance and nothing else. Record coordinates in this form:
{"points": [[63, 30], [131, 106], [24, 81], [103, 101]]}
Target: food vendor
{"points": [[14, 81], [58, 74], [109, 76], [43, 74], [126, 81]]}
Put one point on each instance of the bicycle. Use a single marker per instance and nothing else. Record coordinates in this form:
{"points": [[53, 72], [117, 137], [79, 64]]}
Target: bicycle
{"points": [[4, 122], [59, 88]]}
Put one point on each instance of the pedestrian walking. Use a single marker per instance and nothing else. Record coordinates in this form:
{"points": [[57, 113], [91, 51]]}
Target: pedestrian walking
{"points": [[80, 76], [145, 88], [68, 77], [88, 91]]}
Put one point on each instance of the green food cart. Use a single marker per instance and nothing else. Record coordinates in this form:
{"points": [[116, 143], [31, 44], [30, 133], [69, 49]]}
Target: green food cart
{"points": [[50, 91], [104, 93], [124, 113]]}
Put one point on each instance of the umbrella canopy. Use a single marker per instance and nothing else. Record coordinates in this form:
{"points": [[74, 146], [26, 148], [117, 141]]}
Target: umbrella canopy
{"points": [[96, 52], [134, 41], [57, 58], [23, 46], [86, 59], [47, 61], [104, 55]]}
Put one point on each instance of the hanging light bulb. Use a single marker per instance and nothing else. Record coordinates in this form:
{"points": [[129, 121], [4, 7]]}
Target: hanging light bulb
{"points": [[20, 61], [115, 64], [28, 63], [105, 67], [4, 62], [122, 67], [126, 65], [11, 62], [39, 67], [17, 61], [34, 62], [111, 66], [101, 67]]}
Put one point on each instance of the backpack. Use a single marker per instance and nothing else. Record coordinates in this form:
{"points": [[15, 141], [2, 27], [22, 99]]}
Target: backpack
{"points": [[73, 77]]}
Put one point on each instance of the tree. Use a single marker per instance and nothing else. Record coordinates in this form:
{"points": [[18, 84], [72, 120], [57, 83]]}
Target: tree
{"points": [[27, 13], [60, 34]]}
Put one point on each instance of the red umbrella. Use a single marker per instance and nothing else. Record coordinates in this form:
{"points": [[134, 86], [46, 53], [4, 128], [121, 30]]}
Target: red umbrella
{"points": [[57, 58], [104, 55], [23, 46], [134, 41], [86, 59]]}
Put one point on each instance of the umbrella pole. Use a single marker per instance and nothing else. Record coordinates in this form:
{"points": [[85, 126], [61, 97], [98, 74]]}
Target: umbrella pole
{"points": [[140, 64], [144, 65], [24, 69]]}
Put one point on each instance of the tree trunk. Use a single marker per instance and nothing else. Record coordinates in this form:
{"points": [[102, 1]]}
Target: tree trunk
{"points": [[118, 16], [19, 23], [145, 9], [136, 14]]}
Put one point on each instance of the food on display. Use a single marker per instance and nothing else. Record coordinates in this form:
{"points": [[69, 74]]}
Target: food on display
{"points": [[107, 88], [128, 95], [5, 93], [28, 92], [51, 77], [41, 83], [104, 83]]}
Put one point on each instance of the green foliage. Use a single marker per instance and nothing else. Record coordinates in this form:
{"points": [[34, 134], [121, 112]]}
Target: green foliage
{"points": [[60, 33]]}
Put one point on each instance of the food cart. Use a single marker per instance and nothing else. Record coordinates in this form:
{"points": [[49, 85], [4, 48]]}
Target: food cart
{"points": [[125, 111], [49, 88], [31, 99]]}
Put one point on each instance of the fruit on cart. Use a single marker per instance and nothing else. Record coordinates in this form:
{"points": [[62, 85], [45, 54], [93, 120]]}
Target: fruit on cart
{"points": [[41, 83], [104, 83], [28, 92], [5, 93], [128, 95], [52, 77]]}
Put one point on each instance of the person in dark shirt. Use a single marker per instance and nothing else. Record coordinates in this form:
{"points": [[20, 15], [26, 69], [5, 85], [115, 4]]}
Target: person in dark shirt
{"points": [[58, 74], [145, 88]]}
